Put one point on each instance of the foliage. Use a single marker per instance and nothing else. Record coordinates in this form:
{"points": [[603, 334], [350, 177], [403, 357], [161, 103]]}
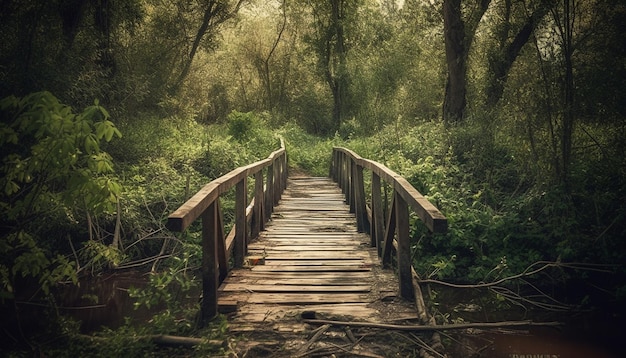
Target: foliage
{"points": [[52, 167], [501, 218], [241, 125], [307, 153]]}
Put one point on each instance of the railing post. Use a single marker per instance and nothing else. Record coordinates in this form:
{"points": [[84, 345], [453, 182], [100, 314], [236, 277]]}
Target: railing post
{"points": [[285, 172], [277, 182], [241, 203], [210, 277], [390, 231], [359, 199], [332, 172], [269, 187], [222, 253], [404, 249], [340, 173], [377, 224], [345, 169], [258, 210], [352, 189]]}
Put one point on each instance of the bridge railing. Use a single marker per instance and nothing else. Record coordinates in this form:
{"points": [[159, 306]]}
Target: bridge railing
{"points": [[270, 179], [391, 233]]}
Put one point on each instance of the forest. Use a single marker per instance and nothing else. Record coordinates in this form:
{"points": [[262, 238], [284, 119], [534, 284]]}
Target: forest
{"points": [[508, 115]]}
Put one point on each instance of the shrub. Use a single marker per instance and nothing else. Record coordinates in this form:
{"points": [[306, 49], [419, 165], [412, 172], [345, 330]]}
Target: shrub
{"points": [[52, 167]]}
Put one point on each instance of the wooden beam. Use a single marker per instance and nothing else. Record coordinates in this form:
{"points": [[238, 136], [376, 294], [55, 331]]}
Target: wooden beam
{"points": [[404, 247], [390, 230], [210, 278], [241, 199], [377, 224]]}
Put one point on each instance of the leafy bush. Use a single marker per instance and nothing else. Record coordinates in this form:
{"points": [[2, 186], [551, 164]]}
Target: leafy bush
{"points": [[52, 167], [241, 126]]}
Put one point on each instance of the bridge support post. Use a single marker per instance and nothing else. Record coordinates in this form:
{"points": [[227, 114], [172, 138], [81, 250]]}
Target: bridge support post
{"points": [[241, 203], [259, 203], [377, 224], [404, 248], [359, 199], [269, 195], [210, 276]]}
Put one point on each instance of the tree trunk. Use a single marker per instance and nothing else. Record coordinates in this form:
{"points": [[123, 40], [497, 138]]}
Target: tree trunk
{"points": [[568, 111], [337, 63], [456, 56]]}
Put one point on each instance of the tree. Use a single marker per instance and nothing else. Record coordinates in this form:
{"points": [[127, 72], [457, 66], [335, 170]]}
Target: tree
{"points": [[509, 44], [331, 19], [215, 13], [459, 32]]}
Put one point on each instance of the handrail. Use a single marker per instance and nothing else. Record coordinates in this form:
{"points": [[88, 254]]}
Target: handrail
{"points": [[347, 170], [205, 204]]}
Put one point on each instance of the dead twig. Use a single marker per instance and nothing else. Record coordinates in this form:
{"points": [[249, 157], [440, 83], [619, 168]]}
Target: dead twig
{"points": [[303, 351], [529, 271], [419, 328]]}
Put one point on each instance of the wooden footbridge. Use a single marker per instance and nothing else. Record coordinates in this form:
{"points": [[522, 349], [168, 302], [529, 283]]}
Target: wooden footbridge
{"points": [[304, 246]]}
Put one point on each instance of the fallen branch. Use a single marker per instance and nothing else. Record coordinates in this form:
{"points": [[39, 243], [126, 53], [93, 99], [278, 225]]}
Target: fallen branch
{"points": [[419, 328], [164, 340]]}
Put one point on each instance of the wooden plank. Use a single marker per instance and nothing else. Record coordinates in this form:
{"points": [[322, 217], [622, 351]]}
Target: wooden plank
{"points": [[338, 280], [280, 275], [287, 262], [311, 235], [310, 269], [258, 288], [257, 313], [295, 298], [341, 247]]}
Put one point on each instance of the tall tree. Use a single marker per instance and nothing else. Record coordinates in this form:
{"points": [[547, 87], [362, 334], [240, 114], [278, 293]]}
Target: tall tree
{"points": [[459, 33], [565, 23], [331, 18]]}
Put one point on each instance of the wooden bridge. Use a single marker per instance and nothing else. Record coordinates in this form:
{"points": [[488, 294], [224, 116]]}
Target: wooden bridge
{"points": [[304, 247]]}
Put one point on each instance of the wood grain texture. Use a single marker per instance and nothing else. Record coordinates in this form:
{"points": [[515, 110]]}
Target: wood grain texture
{"points": [[314, 259]]}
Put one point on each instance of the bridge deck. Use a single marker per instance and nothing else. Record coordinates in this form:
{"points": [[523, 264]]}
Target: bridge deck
{"points": [[311, 258]]}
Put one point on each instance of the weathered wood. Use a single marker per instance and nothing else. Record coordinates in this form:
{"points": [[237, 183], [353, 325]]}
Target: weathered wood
{"points": [[241, 199], [259, 203], [404, 248], [304, 288], [311, 259], [210, 275], [428, 213], [390, 230], [296, 298], [377, 224], [205, 204], [359, 200], [312, 270], [269, 187], [222, 251]]}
